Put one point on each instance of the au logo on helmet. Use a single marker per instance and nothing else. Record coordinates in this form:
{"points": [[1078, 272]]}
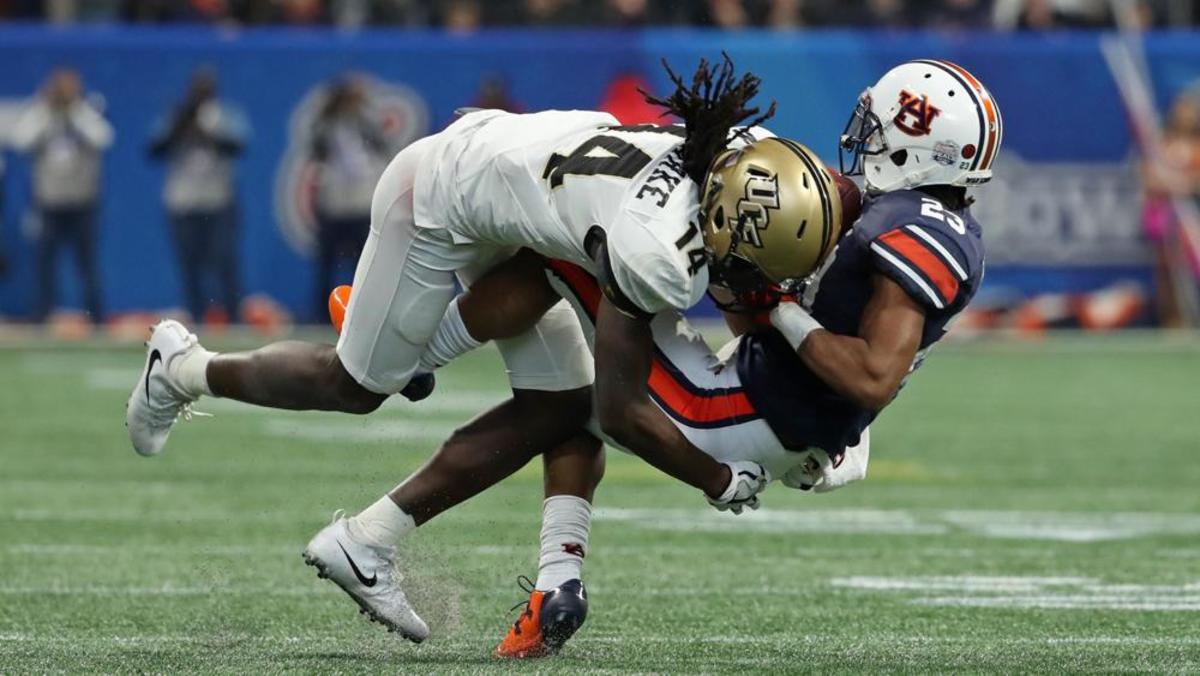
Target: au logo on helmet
{"points": [[761, 194], [916, 114]]}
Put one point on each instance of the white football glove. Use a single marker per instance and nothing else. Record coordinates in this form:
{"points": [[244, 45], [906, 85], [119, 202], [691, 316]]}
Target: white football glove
{"points": [[746, 481]]}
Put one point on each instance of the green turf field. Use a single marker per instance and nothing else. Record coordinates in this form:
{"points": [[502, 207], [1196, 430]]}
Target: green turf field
{"points": [[1030, 507]]}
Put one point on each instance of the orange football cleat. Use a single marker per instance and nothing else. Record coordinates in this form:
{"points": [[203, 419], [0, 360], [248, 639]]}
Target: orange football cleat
{"points": [[548, 620], [524, 638], [339, 300]]}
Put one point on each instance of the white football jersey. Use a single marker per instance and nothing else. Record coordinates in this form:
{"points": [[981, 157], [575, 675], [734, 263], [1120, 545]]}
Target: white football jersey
{"points": [[545, 180]]}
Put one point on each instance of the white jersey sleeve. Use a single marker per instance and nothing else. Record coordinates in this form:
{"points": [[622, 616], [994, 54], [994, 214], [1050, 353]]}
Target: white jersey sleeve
{"points": [[656, 253]]}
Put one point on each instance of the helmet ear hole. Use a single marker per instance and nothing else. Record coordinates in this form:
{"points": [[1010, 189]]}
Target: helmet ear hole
{"points": [[719, 217], [899, 157]]}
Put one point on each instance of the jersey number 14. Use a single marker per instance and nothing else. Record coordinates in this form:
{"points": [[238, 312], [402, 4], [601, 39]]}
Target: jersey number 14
{"points": [[604, 155]]}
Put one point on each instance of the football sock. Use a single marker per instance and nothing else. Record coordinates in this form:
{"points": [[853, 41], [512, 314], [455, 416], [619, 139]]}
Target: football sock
{"points": [[566, 520], [191, 372], [382, 524], [450, 342]]}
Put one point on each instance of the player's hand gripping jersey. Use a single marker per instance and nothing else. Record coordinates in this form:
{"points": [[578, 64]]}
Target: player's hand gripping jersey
{"points": [[934, 254], [563, 183]]}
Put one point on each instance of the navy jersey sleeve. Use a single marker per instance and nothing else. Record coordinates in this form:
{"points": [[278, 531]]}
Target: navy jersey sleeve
{"points": [[920, 249]]}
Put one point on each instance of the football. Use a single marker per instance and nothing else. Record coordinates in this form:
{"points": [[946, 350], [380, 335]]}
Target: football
{"points": [[851, 198]]}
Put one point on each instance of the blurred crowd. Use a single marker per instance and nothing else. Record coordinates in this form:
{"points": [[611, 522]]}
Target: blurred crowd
{"points": [[64, 134], [465, 15]]}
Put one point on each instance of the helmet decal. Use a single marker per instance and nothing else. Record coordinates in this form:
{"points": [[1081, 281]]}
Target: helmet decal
{"points": [[761, 195], [946, 153], [915, 114]]}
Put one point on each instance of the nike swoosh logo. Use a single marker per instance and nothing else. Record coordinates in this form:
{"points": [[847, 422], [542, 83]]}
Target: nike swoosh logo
{"points": [[369, 582], [155, 356]]}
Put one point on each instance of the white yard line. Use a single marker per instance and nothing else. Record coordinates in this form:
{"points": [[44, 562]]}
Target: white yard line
{"points": [[964, 583], [51, 549], [1072, 526], [898, 522], [1067, 593], [1081, 527], [156, 516], [163, 590], [492, 516], [1068, 602], [360, 431]]}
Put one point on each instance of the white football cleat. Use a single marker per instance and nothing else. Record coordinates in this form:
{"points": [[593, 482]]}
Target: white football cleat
{"points": [[368, 574], [157, 402]]}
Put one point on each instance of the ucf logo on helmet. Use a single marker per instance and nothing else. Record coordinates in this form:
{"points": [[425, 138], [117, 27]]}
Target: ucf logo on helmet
{"points": [[916, 114], [762, 193]]}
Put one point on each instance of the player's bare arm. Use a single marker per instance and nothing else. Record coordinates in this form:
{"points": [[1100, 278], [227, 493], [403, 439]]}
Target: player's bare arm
{"points": [[869, 369], [624, 351]]}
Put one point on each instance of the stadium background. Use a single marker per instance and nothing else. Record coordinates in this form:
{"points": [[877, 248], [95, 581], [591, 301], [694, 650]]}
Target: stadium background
{"points": [[1031, 504], [1063, 214]]}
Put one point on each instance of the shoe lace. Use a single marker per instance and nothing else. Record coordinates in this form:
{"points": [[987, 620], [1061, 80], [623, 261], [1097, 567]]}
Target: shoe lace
{"points": [[168, 416], [187, 412], [526, 586]]}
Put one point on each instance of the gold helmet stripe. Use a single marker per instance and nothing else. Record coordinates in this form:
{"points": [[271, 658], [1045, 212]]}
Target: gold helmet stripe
{"points": [[819, 176]]}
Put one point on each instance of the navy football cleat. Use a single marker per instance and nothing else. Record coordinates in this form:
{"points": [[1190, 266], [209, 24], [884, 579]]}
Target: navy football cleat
{"points": [[550, 618]]}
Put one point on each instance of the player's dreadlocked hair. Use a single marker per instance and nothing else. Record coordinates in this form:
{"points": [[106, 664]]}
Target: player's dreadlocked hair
{"points": [[714, 103]]}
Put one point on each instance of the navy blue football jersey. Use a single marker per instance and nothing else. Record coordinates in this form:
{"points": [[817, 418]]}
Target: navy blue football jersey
{"points": [[933, 253]]}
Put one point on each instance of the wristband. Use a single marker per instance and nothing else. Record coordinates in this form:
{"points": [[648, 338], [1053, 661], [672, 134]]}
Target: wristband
{"points": [[794, 323]]}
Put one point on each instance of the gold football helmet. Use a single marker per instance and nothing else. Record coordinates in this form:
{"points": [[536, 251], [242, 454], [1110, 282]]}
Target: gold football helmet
{"points": [[770, 213]]}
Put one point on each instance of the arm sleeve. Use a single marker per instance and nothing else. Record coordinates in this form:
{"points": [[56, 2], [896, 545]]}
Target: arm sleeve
{"points": [[645, 280], [926, 264]]}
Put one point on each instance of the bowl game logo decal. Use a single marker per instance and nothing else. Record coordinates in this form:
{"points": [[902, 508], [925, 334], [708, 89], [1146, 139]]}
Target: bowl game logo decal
{"points": [[399, 114], [945, 153]]}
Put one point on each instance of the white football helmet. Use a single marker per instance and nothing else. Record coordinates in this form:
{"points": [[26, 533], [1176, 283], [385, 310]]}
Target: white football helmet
{"points": [[925, 122]]}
